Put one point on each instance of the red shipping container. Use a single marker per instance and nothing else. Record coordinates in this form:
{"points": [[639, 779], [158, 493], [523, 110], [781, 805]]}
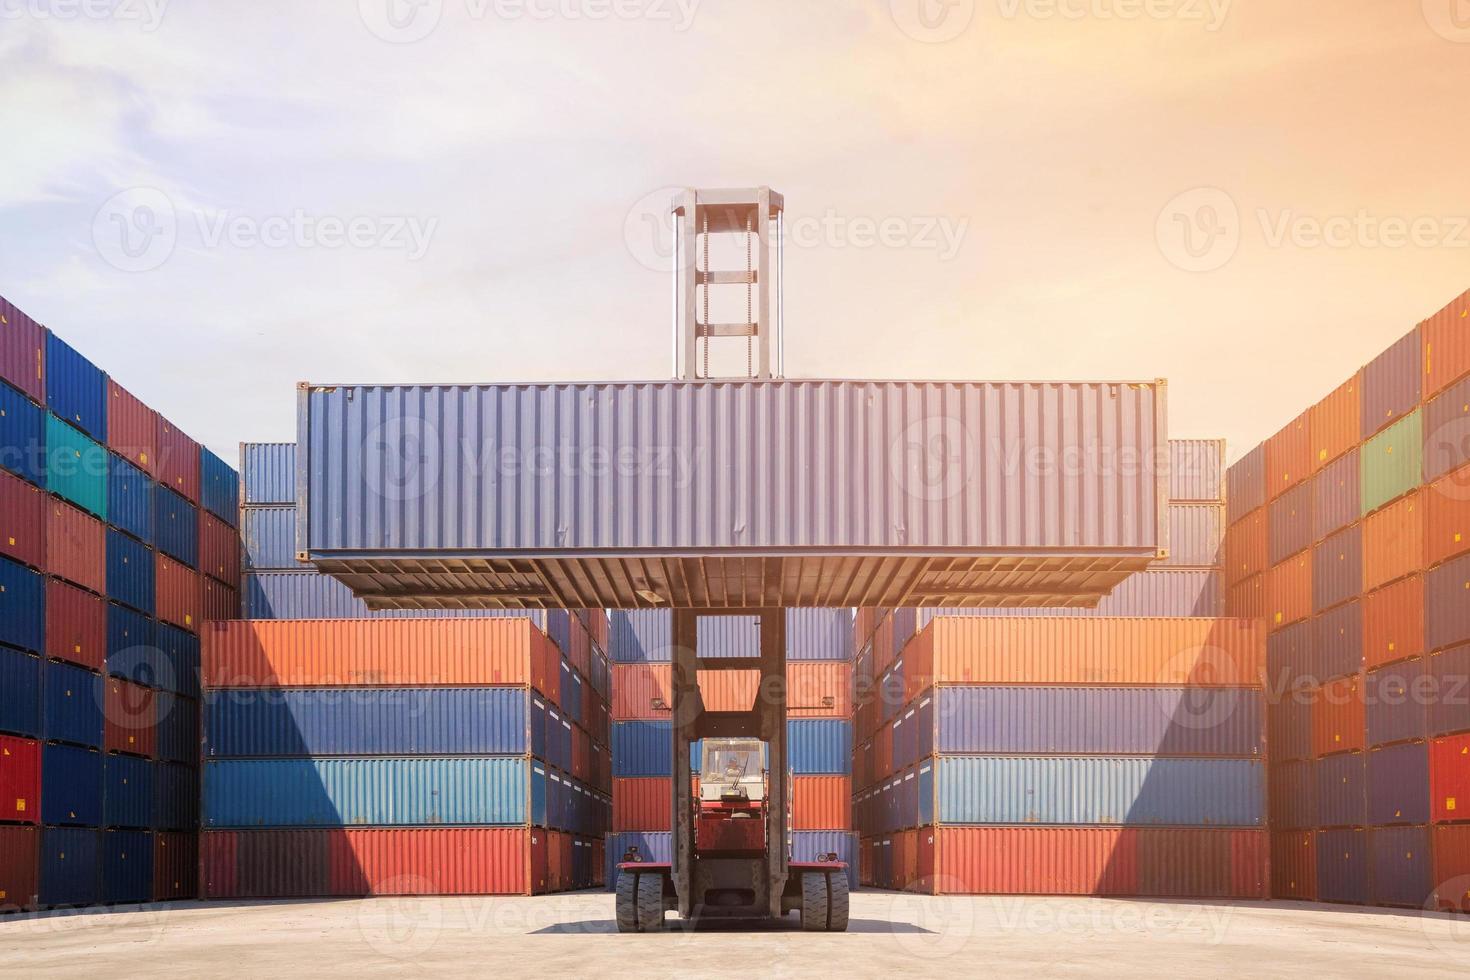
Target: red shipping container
{"points": [[1449, 778], [76, 625], [132, 429], [1202, 864], [177, 592], [1247, 600], [1288, 457], [883, 752], [20, 781], [1294, 865], [130, 723], [76, 546], [22, 355], [178, 460], [1393, 542], [1452, 867], [20, 873], [1446, 338], [1246, 546], [1289, 591], [581, 749], [1036, 861], [1393, 622], [219, 549], [1447, 517], [1334, 423], [220, 602], [175, 866], [821, 803], [1339, 722], [22, 521], [642, 804]]}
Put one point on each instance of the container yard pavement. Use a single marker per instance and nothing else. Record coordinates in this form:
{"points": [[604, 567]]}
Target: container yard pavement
{"points": [[566, 935]]}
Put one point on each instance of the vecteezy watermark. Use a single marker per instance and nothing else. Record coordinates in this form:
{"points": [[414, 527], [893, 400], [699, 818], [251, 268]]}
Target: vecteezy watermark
{"points": [[1444, 921], [933, 458], [148, 14], [1043, 917], [1210, 13], [1199, 230], [1450, 19], [932, 21], [408, 21], [138, 230], [1446, 449]]}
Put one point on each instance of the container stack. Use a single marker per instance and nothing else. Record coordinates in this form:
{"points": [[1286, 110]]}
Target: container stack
{"points": [[1054, 756], [1350, 536], [118, 540], [819, 726], [349, 758]]}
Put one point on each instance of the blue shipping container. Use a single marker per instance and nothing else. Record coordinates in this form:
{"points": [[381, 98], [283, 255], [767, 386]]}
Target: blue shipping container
{"points": [[76, 389], [815, 845], [179, 671], [127, 792], [129, 498], [22, 436], [1078, 790], [219, 487], [71, 866], [268, 538], [178, 727], [71, 786], [1342, 866], [176, 526], [1398, 784], [71, 700], [268, 472], [1342, 799], [175, 797], [22, 607], [129, 572], [652, 847], [127, 867], [132, 650], [366, 792], [642, 748], [20, 704], [1088, 721], [1402, 868], [370, 721], [1395, 705], [814, 746]]}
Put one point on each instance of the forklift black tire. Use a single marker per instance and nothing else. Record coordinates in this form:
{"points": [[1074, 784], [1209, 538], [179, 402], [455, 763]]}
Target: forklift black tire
{"points": [[814, 902], [837, 901], [650, 903], [626, 903]]}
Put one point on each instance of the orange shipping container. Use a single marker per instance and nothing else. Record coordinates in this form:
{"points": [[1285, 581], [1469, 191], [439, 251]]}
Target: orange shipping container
{"points": [[1393, 622], [813, 690], [1289, 591], [645, 803], [1334, 424], [1446, 337], [378, 653], [821, 803], [1393, 542], [1447, 517], [1338, 720], [1246, 547], [1247, 600], [1206, 652], [1288, 457]]}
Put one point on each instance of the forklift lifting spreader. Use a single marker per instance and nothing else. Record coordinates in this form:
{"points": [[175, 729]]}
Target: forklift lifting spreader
{"points": [[729, 846]]}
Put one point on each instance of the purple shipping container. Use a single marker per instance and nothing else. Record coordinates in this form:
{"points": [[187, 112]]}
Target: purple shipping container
{"points": [[1449, 707], [1447, 431], [1337, 641], [1447, 604], [1391, 384], [1398, 784], [1290, 659], [22, 351], [1196, 469], [1403, 872], [1336, 495], [1337, 569], [1290, 727], [646, 635], [1342, 866], [1342, 792], [1245, 484], [1290, 523], [1196, 532], [656, 847], [1396, 702], [1293, 791]]}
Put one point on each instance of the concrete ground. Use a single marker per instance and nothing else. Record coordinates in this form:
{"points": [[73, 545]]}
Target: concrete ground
{"points": [[573, 935]]}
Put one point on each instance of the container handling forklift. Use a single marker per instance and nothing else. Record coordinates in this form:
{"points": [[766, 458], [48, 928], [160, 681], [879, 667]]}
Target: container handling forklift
{"points": [[730, 856]]}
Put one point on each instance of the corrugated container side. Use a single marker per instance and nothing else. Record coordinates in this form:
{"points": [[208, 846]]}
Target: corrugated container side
{"points": [[75, 467], [816, 845], [269, 538], [1247, 600], [176, 794], [76, 547], [1391, 384], [312, 595], [1289, 590], [175, 866], [1337, 642], [1245, 484], [1402, 866], [464, 861], [1291, 658], [1451, 846], [1293, 795], [1447, 517], [1393, 622], [1337, 495], [22, 436], [20, 781], [176, 527], [1398, 702], [130, 572], [1337, 569], [1290, 727], [819, 746], [132, 429], [71, 866], [178, 461], [22, 351], [1398, 784], [127, 792], [20, 852], [1392, 462], [1341, 784], [1449, 778], [20, 678], [219, 487], [132, 652], [1294, 865], [178, 593], [1157, 593], [1446, 338], [1342, 866], [1393, 542], [813, 689], [821, 803], [1334, 424], [642, 748], [1449, 710], [71, 786], [1338, 723], [1196, 531], [643, 803], [1290, 522], [219, 550], [22, 607], [646, 635], [129, 498], [1288, 457], [71, 704], [1247, 545], [22, 521], [129, 722], [267, 473], [127, 866], [1197, 470], [219, 602], [76, 389], [1447, 431], [1447, 604]]}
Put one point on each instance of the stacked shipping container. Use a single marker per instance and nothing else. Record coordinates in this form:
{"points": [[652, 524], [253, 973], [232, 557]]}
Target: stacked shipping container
{"points": [[819, 709], [118, 539], [1350, 536]]}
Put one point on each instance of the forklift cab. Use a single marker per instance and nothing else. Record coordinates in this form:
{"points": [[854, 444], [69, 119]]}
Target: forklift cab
{"points": [[732, 770]]}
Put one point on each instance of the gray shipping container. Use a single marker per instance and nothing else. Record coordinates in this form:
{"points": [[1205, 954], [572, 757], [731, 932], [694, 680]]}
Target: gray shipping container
{"points": [[1197, 469], [733, 494]]}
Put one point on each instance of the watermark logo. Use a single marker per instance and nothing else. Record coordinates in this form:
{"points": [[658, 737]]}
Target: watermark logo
{"points": [[1210, 13], [933, 21], [933, 458], [929, 926], [402, 926], [1448, 932], [147, 14], [1199, 230], [399, 459], [648, 230], [1446, 450], [401, 21], [136, 230], [1450, 19], [409, 21]]}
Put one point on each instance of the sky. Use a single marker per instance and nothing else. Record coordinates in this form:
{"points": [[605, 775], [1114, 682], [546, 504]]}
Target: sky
{"points": [[218, 201]]}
